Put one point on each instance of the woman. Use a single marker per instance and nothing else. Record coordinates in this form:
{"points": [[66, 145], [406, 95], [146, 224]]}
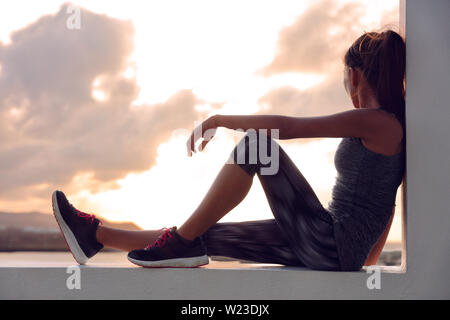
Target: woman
{"points": [[370, 162]]}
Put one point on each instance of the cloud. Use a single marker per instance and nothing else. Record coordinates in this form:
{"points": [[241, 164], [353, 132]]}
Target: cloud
{"points": [[316, 43], [390, 19], [53, 129], [325, 98], [317, 39]]}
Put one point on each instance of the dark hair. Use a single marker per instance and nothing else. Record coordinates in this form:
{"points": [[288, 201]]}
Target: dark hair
{"points": [[381, 56]]}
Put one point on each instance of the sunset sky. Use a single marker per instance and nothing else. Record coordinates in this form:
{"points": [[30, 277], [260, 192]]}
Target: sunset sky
{"points": [[103, 112]]}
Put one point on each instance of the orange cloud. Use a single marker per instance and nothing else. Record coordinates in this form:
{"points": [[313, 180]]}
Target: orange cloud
{"points": [[317, 39], [52, 127]]}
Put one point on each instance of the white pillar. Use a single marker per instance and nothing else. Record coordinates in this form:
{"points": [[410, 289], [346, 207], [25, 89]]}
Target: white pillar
{"points": [[428, 145]]}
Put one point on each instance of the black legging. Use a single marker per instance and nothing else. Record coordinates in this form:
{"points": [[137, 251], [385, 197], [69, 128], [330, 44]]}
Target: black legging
{"points": [[301, 233]]}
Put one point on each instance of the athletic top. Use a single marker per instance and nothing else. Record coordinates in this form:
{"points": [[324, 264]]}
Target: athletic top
{"points": [[363, 198]]}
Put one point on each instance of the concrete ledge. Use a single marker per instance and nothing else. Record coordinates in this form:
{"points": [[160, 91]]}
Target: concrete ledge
{"points": [[27, 277]]}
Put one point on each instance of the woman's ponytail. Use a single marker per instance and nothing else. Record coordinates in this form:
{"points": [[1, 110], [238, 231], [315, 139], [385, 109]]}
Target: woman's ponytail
{"points": [[382, 58]]}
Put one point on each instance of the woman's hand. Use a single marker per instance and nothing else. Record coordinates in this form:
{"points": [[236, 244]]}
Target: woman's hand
{"points": [[206, 130]]}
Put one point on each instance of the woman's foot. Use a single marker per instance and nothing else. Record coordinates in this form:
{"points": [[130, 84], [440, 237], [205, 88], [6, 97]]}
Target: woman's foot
{"points": [[171, 251], [78, 228]]}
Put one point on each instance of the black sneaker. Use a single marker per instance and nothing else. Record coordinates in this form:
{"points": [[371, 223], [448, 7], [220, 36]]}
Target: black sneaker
{"points": [[78, 228], [171, 251]]}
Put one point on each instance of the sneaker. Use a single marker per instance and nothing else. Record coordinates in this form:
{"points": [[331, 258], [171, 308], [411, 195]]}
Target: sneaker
{"points": [[170, 250], [78, 228]]}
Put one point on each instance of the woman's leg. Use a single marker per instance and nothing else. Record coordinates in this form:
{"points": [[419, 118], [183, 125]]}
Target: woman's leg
{"points": [[304, 222], [258, 241], [126, 240], [228, 189], [301, 218]]}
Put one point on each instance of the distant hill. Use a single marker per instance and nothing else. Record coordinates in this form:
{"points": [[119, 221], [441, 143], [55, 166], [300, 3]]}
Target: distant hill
{"points": [[30, 231]]}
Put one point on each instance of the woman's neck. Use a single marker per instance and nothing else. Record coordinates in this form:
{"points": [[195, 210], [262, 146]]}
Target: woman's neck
{"points": [[367, 99]]}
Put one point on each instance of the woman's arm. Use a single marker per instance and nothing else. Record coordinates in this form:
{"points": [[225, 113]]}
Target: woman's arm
{"points": [[255, 122], [363, 123], [378, 247], [207, 128]]}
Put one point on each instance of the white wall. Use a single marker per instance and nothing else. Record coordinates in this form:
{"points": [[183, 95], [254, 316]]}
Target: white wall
{"points": [[428, 145]]}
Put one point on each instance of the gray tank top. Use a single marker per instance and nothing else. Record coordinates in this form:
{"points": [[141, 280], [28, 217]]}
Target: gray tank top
{"points": [[363, 198]]}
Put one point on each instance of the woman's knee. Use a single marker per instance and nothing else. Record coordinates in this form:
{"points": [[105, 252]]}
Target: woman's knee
{"points": [[257, 150]]}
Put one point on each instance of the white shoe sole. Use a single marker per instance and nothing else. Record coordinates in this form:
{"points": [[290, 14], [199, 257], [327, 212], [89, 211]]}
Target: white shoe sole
{"points": [[173, 263], [71, 241]]}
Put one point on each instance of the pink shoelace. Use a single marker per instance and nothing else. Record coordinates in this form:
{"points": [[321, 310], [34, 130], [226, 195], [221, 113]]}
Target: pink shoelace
{"points": [[162, 239], [85, 215]]}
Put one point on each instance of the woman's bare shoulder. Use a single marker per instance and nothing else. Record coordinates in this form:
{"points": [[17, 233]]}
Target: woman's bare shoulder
{"points": [[389, 140]]}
